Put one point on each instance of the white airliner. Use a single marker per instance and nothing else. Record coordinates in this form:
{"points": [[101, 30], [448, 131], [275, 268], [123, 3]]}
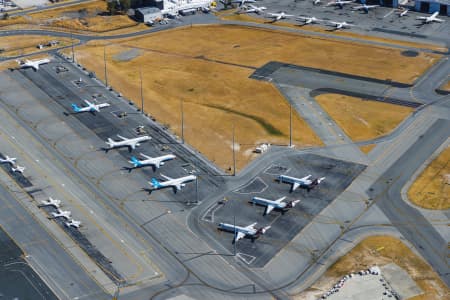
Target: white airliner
{"points": [[242, 2], [153, 161], [130, 143], [364, 7], [91, 107], [61, 214], [432, 18], [340, 25], [403, 12], [18, 169], [255, 9], [8, 160], [338, 3], [241, 232], [73, 223], [272, 204], [175, 183], [33, 63], [308, 20], [305, 182], [278, 16], [51, 202]]}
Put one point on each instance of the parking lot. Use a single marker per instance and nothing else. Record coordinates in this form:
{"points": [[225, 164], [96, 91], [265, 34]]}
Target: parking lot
{"points": [[235, 206]]}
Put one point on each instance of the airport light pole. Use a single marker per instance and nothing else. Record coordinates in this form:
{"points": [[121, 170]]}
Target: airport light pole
{"points": [[290, 125], [73, 51], [182, 120], [234, 152], [104, 61], [142, 92]]}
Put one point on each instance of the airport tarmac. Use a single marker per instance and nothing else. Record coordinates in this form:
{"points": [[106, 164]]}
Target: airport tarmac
{"points": [[235, 208], [381, 21], [18, 280]]}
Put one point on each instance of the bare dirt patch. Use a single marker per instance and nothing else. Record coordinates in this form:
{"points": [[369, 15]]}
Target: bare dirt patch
{"points": [[362, 119], [431, 189], [382, 250]]}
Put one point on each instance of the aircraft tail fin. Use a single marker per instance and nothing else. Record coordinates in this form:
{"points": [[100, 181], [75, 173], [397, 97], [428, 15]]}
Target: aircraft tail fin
{"points": [[135, 161], [75, 107], [110, 142], [155, 183]]}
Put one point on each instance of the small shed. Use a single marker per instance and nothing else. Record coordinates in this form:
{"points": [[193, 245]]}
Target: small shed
{"points": [[148, 14]]}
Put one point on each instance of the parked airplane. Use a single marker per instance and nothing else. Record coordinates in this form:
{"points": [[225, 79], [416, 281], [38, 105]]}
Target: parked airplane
{"points": [[338, 3], [8, 160], [156, 162], [364, 7], [91, 107], [340, 25], [18, 169], [432, 18], [255, 9], [403, 12], [278, 16], [73, 223], [33, 63], [241, 232], [175, 183], [51, 202], [61, 214], [306, 181], [308, 20], [130, 143], [316, 2], [242, 2], [272, 204]]}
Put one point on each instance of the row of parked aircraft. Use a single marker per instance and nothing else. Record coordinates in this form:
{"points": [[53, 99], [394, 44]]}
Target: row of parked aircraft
{"points": [[12, 162], [66, 214], [251, 231], [338, 3]]}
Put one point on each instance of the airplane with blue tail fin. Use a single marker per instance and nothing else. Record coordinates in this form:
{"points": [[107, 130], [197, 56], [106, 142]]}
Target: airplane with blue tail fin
{"points": [[156, 162], [176, 183], [91, 107]]}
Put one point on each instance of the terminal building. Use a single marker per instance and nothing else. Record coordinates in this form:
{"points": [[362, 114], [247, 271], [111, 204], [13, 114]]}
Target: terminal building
{"points": [[432, 6]]}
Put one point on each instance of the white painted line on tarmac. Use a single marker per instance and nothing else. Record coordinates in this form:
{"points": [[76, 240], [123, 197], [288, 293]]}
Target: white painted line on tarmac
{"points": [[389, 13]]}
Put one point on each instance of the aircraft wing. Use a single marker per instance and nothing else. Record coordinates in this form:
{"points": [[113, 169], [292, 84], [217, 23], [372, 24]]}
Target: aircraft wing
{"points": [[166, 177], [35, 66], [146, 156], [239, 235], [87, 102], [295, 186], [103, 105], [269, 208], [251, 226], [280, 200], [122, 138]]}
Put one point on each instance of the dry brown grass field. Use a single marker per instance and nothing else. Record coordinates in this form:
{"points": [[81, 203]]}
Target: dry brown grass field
{"points": [[431, 189], [208, 67], [85, 17], [382, 250], [446, 87], [367, 148], [255, 47], [361, 119], [26, 44], [215, 96], [230, 15]]}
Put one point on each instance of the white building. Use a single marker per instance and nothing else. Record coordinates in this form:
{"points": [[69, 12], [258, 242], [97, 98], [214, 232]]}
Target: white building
{"points": [[175, 6]]}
